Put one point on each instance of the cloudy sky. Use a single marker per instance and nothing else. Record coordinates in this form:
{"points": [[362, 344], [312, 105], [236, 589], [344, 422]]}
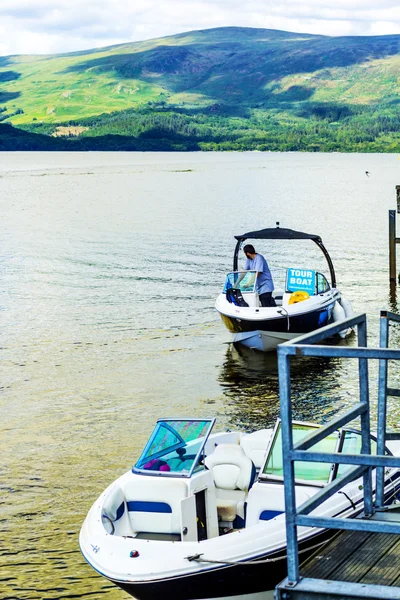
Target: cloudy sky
{"points": [[52, 26]]}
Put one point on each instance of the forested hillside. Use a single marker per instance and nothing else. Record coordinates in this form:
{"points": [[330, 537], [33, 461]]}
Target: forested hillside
{"points": [[219, 89]]}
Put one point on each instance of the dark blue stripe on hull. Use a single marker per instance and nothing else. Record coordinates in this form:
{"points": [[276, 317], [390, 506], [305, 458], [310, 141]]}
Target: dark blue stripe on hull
{"points": [[298, 324]]}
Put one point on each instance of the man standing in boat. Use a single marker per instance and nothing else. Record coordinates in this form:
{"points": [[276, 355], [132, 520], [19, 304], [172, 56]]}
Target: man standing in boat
{"points": [[265, 284]]}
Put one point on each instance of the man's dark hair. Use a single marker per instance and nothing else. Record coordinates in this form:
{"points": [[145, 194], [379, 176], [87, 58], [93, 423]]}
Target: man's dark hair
{"points": [[249, 249]]}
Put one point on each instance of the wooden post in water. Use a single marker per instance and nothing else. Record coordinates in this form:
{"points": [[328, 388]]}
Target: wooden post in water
{"points": [[392, 245], [398, 197], [393, 240]]}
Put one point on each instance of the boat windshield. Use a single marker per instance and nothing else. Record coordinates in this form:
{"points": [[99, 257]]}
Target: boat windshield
{"points": [[305, 472], [175, 447], [246, 284], [351, 444]]}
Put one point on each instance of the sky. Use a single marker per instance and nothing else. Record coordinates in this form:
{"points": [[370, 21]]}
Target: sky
{"points": [[56, 26]]}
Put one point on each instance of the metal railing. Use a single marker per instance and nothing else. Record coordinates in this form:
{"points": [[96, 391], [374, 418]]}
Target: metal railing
{"points": [[383, 392], [364, 462]]}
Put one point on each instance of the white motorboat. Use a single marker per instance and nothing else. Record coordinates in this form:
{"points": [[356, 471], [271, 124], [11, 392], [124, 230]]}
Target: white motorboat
{"points": [[201, 514], [307, 302]]}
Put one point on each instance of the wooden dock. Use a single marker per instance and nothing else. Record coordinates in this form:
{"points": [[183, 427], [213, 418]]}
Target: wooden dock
{"points": [[353, 565]]}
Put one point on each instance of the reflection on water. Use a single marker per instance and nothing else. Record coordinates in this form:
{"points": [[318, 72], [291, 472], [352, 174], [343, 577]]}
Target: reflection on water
{"points": [[393, 304], [320, 387], [250, 382], [110, 266]]}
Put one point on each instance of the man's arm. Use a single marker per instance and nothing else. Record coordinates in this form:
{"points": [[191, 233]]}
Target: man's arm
{"points": [[242, 274]]}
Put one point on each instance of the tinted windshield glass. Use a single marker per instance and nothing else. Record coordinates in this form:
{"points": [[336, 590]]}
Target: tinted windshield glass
{"points": [[246, 284], [352, 445], [175, 446], [304, 471], [322, 284]]}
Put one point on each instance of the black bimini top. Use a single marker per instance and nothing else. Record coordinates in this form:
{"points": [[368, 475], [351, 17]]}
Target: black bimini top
{"points": [[278, 233], [281, 233]]}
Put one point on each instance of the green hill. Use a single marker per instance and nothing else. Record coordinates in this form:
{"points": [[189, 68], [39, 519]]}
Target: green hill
{"points": [[225, 88]]}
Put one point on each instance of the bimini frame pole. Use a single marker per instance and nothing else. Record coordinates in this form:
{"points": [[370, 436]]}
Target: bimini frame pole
{"points": [[236, 254], [328, 260]]}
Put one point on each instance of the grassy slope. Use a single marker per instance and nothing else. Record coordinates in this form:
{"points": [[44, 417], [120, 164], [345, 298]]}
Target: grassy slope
{"points": [[49, 90], [264, 72]]}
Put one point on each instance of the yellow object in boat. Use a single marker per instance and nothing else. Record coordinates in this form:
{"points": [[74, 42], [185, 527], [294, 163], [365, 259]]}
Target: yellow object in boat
{"points": [[298, 297]]}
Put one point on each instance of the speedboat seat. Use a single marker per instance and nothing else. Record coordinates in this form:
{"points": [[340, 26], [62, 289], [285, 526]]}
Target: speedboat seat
{"points": [[234, 474], [266, 501], [255, 445], [154, 505]]}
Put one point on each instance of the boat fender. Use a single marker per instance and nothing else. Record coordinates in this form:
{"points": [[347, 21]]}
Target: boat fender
{"points": [[347, 306], [298, 297], [338, 315]]}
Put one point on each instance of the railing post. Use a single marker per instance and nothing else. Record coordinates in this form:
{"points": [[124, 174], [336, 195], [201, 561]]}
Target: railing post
{"points": [[382, 408], [364, 417], [392, 245], [288, 466]]}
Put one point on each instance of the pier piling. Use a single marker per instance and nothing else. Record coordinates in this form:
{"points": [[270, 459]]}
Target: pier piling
{"points": [[392, 245], [393, 240]]}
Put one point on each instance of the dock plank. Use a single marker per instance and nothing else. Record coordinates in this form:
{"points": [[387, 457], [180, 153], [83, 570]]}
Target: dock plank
{"points": [[357, 557], [386, 569], [331, 557], [364, 560]]}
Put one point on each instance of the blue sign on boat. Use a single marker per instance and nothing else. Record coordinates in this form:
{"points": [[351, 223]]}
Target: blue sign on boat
{"points": [[300, 280]]}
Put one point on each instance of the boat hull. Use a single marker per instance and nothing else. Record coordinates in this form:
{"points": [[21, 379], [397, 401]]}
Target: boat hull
{"points": [[266, 334], [265, 341], [224, 581]]}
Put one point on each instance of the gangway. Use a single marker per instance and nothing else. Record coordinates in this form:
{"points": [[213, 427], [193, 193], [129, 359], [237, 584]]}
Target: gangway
{"points": [[377, 518]]}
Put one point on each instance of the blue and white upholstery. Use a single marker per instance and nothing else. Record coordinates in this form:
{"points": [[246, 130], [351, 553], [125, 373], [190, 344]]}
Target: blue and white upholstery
{"points": [[154, 505], [266, 501]]}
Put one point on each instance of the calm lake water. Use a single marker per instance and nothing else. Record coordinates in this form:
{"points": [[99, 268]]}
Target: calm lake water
{"points": [[110, 266]]}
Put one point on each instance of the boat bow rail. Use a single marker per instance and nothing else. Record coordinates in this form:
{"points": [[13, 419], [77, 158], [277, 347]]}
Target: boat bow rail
{"points": [[359, 465]]}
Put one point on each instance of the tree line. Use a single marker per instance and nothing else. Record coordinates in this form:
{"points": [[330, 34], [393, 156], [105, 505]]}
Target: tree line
{"points": [[310, 128]]}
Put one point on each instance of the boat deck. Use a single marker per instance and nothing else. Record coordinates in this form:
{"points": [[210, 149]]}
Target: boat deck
{"points": [[369, 561]]}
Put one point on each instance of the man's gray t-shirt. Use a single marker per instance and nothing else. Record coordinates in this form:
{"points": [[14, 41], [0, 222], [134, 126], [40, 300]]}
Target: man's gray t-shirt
{"points": [[264, 280]]}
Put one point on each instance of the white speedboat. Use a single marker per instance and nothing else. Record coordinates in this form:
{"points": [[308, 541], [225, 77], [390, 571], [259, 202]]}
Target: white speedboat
{"points": [[307, 302], [201, 514]]}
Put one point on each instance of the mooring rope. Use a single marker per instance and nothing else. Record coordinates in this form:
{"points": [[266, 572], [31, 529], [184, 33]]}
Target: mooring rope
{"points": [[252, 562]]}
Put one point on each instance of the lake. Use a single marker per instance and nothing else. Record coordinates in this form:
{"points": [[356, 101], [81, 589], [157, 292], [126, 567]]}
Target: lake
{"points": [[110, 266]]}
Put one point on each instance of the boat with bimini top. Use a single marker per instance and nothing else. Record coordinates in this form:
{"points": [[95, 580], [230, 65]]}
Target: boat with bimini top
{"points": [[202, 513], [307, 301]]}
